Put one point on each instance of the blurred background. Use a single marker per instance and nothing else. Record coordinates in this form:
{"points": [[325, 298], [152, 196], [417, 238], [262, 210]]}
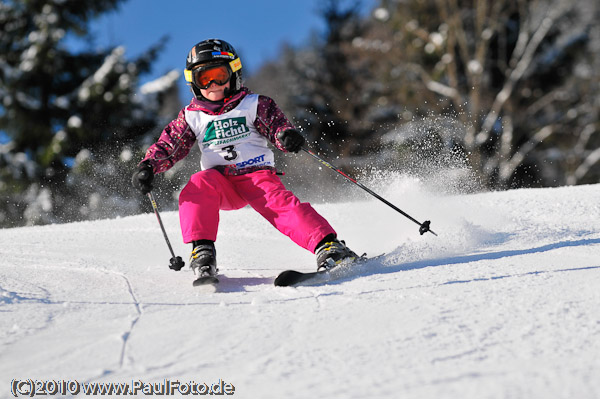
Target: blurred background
{"points": [[473, 95]]}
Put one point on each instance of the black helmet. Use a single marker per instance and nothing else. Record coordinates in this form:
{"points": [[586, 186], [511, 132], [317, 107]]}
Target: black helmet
{"points": [[214, 52]]}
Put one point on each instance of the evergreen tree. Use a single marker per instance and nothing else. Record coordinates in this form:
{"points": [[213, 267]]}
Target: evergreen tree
{"points": [[325, 84], [65, 113]]}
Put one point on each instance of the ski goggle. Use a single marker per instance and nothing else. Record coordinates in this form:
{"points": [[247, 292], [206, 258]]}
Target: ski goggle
{"points": [[203, 78]]}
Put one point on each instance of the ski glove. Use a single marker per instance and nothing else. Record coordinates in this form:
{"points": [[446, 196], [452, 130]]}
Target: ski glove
{"points": [[291, 139], [142, 178]]}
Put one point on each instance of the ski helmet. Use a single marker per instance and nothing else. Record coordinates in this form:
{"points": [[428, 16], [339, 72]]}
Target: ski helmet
{"points": [[209, 53]]}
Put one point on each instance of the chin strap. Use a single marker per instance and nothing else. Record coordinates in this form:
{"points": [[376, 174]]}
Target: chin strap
{"points": [[228, 94]]}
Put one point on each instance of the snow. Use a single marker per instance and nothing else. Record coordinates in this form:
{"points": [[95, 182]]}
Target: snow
{"points": [[504, 303], [161, 84], [101, 75]]}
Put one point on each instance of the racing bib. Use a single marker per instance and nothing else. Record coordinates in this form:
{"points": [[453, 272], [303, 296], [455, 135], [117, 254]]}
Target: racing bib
{"points": [[231, 139]]}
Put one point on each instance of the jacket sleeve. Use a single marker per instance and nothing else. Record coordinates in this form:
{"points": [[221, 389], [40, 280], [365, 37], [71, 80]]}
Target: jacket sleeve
{"points": [[172, 146], [270, 120]]}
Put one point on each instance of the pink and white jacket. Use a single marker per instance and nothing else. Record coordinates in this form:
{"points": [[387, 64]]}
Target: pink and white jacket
{"points": [[233, 136]]}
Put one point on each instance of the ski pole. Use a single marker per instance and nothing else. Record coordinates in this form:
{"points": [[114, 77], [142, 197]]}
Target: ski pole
{"points": [[176, 263], [424, 227]]}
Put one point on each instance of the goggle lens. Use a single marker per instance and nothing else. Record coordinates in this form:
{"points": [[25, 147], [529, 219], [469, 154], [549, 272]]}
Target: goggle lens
{"points": [[204, 77]]}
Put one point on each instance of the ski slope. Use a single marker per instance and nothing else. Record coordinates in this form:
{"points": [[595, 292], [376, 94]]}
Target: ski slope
{"points": [[504, 303]]}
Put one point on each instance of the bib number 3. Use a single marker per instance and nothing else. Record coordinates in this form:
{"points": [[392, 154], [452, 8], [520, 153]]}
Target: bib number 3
{"points": [[231, 153]]}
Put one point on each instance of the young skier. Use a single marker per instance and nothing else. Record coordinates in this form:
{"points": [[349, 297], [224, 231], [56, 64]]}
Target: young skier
{"points": [[233, 127]]}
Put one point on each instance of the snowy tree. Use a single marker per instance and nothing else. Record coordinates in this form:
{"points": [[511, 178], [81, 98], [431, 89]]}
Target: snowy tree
{"points": [[507, 88], [517, 75], [64, 111], [319, 86]]}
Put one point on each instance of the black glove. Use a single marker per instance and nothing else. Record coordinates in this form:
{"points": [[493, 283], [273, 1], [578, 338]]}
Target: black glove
{"points": [[142, 178], [291, 140]]}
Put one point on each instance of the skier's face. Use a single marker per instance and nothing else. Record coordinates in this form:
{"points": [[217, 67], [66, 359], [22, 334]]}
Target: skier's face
{"points": [[215, 92]]}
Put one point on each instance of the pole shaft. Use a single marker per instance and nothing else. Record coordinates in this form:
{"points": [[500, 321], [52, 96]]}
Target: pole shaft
{"points": [[162, 227], [359, 184]]}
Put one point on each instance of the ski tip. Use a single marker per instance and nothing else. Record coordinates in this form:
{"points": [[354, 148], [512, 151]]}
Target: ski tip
{"points": [[205, 281], [287, 278]]}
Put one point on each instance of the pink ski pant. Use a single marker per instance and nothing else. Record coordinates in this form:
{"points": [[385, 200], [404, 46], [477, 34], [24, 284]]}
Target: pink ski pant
{"points": [[209, 191]]}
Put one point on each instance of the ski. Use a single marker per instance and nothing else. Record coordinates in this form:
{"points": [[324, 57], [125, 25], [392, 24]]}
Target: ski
{"points": [[205, 280], [293, 277]]}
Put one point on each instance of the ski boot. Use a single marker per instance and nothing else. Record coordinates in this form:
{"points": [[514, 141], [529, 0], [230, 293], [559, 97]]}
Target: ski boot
{"points": [[331, 253], [203, 262]]}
